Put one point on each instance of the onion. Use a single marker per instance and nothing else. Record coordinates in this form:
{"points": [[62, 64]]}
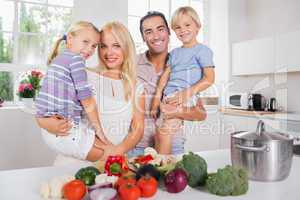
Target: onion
{"points": [[100, 185], [103, 194], [176, 181]]}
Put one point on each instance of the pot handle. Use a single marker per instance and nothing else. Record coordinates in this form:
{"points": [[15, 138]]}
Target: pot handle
{"points": [[256, 149]]}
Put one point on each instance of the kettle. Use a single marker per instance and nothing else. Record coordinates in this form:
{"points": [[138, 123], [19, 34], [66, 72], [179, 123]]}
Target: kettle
{"points": [[272, 105]]}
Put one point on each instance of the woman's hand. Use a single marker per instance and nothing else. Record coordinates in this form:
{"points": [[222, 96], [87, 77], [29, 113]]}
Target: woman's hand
{"points": [[55, 124], [111, 150], [154, 107]]}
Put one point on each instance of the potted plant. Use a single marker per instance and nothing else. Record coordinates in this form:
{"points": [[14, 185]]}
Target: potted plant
{"points": [[30, 84]]}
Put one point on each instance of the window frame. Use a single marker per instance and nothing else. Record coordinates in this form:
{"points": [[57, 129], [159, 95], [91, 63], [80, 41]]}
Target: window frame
{"points": [[15, 67]]}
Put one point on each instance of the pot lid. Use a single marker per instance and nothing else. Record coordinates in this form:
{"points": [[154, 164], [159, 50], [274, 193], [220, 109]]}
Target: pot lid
{"points": [[261, 134]]}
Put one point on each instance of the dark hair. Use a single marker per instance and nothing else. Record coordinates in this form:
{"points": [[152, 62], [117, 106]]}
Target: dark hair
{"points": [[153, 14]]}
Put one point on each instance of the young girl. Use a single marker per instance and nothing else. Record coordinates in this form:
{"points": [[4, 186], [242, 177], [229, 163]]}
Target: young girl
{"points": [[119, 98], [189, 70], [65, 93]]}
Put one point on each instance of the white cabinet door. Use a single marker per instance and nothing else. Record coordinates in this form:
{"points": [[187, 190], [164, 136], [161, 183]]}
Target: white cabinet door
{"points": [[253, 56], [202, 136], [21, 144], [288, 51]]}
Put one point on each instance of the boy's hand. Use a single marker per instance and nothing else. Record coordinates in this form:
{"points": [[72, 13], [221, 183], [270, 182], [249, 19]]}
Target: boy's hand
{"points": [[180, 98], [170, 111]]}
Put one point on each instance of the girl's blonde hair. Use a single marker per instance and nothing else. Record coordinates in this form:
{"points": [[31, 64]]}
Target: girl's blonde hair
{"points": [[73, 30], [186, 10], [128, 68]]}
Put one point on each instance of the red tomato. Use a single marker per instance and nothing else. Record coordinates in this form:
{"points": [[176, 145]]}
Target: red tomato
{"points": [[74, 190], [129, 191], [125, 179], [148, 186]]}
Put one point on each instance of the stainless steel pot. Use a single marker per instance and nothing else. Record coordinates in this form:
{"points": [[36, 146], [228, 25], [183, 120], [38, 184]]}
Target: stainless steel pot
{"points": [[266, 156]]}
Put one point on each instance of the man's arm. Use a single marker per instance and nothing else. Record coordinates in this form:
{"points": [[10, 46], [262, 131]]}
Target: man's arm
{"points": [[159, 90], [195, 113]]}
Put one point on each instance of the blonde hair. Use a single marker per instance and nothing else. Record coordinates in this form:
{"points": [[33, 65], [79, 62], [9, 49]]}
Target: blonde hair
{"points": [[128, 68], [186, 10], [72, 31]]}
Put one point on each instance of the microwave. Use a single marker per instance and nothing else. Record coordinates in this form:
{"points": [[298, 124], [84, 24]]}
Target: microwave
{"points": [[237, 100]]}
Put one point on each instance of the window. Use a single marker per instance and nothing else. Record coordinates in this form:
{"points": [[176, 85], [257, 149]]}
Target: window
{"points": [[138, 8], [28, 29]]}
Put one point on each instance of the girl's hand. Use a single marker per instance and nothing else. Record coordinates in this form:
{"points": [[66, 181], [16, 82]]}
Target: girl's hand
{"points": [[180, 98], [56, 124]]}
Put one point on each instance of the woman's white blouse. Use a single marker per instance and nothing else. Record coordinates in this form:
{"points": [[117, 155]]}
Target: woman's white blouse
{"points": [[115, 112]]}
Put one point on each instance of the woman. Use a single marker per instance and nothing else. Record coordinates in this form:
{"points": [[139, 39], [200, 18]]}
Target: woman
{"points": [[119, 97]]}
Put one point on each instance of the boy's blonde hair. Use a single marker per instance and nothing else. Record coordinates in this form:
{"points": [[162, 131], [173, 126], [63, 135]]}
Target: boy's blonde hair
{"points": [[122, 35], [74, 28], [186, 10]]}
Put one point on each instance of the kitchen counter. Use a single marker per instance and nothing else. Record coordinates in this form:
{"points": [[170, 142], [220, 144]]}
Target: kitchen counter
{"points": [[25, 183], [262, 114]]}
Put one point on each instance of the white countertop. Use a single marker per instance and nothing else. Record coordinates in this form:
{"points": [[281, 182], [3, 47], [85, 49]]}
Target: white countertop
{"points": [[25, 183], [286, 116]]}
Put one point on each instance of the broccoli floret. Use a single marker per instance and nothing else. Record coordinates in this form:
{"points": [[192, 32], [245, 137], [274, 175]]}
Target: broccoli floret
{"points": [[195, 167], [228, 181]]}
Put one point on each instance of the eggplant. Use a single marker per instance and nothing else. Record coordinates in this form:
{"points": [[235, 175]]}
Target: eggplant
{"points": [[147, 170]]}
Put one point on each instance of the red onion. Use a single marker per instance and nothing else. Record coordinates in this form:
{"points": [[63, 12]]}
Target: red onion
{"points": [[103, 194], [176, 181], [101, 185]]}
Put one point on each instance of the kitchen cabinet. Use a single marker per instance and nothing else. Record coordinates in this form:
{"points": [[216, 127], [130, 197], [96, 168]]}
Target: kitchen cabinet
{"points": [[22, 145], [253, 56], [203, 135], [287, 51], [278, 53]]}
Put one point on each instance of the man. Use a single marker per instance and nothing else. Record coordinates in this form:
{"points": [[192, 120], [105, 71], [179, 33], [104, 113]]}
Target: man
{"points": [[156, 33]]}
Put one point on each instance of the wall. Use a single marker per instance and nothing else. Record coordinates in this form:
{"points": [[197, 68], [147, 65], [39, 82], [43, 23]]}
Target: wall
{"points": [[218, 40], [21, 145], [251, 19], [100, 12], [218, 37]]}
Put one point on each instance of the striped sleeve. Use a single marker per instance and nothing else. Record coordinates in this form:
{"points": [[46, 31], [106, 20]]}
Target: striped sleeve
{"points": [[79, 76]]}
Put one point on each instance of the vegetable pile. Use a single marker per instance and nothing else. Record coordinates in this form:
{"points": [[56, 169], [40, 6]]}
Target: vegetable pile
{"points": [[121, 181]]}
